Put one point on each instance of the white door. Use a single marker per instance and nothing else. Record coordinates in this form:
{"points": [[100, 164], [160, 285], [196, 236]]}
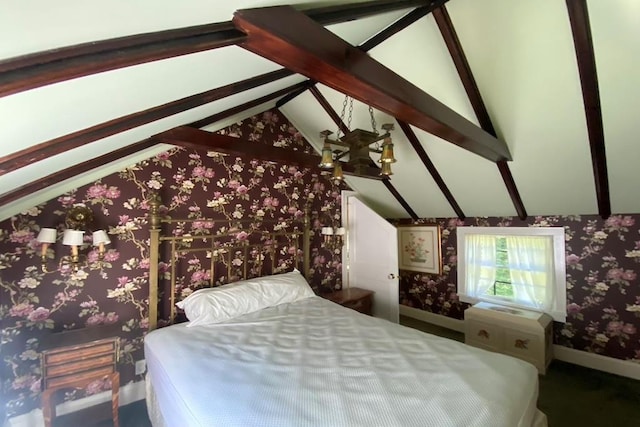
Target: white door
{"points": [[372, 257]]}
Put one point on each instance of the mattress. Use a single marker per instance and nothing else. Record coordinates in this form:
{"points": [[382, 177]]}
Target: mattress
{"points": [[315, 363]]}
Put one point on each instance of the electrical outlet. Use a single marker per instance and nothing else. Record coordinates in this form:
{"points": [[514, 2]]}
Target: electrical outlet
{"points": [[141, 367]]}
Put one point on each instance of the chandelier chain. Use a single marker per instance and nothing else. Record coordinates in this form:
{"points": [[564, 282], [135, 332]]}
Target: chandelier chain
{"points": [[373, 120], [350, 113]]}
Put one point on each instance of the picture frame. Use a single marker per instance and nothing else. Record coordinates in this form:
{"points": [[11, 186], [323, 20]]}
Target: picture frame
{"points": [[419, 248]]}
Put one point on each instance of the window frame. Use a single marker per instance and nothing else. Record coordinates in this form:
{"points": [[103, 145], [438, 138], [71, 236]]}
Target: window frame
{"points": [[559, 310]]}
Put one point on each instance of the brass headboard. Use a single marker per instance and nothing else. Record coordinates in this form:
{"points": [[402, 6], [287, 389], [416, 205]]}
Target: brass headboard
{"points": [[214, 248]]}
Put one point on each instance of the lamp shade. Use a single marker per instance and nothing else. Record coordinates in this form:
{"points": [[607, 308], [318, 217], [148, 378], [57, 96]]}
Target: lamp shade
{"points": [[327, 231], [337, 171], [340, 231], [327, 157], [47, 235], [99, 237], [72, 238]]}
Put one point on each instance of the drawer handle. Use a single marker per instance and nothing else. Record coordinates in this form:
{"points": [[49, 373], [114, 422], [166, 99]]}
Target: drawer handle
{"points": [[522, 344], [483, 334]]}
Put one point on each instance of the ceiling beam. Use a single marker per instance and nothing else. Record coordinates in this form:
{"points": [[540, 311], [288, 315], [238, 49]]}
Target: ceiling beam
{"points": [[189, 137], [328, 109], [350, 12], [70, 172], [426, 161], [443, 20], [68, 142], [400, 25], [247, 105], [374, 41], [56, 65], [583, 42], [307, 48]]}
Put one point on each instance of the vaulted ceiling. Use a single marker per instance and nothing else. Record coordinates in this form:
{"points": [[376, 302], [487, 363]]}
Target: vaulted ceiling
{"points": [[501, 107]]}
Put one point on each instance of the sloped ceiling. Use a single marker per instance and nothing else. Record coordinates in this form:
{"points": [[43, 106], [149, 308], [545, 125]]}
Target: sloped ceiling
{"points": [[521, 54]]}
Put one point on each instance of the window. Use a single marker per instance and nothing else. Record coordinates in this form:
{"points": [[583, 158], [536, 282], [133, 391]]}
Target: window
{"points": [[515, 266]]}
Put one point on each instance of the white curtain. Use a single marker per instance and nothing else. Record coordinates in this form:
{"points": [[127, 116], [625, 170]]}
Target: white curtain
{"points": [[532, 270], [481, 264]]}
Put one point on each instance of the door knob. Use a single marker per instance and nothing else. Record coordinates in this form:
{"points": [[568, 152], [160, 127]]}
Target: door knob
{"points": [[391, 276]]}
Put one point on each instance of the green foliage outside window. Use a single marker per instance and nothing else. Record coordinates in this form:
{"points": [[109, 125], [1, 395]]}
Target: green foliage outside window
{"points": [[502, 285]]}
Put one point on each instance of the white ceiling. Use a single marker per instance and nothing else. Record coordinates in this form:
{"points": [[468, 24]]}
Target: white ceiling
{"points": [[521, 54]]}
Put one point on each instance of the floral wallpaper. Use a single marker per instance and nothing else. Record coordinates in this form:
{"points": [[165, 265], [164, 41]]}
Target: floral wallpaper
{"points": [[193, 184], [603, 296]]}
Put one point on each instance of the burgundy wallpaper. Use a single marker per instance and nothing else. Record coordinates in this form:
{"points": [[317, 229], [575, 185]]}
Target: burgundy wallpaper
{"points": [[603, 296], [193, 184]]}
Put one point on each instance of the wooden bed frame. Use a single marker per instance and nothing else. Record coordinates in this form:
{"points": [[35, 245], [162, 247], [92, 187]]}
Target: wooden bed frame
{"points": [[218, 250]]}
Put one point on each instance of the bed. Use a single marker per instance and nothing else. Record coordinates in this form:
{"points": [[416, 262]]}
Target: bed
{"points": [[274, 354]]}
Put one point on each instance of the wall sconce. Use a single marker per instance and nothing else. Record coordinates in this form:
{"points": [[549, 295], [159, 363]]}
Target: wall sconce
{"points": [[76, 220], [333, 237]]}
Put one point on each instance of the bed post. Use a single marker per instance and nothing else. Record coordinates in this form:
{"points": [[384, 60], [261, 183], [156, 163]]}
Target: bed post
{"points": [[306, 244], [154, 248]]}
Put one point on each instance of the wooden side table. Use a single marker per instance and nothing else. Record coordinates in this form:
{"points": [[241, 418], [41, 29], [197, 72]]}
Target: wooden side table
{"points": [[76, 366], [355, 298]]}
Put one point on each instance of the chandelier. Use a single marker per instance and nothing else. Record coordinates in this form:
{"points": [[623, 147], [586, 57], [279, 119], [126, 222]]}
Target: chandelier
{"points": [[357, 144]]}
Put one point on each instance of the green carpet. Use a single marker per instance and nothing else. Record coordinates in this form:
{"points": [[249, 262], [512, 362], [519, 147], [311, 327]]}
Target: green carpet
{"points": [[571, 395]]}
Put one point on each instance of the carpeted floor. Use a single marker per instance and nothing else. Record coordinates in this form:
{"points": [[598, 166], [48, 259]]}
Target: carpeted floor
{"points": [[570, 395]]}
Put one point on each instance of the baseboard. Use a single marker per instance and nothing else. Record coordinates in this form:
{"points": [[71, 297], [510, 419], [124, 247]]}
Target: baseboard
{"points": [[129, 393], [624, 368], [434, 319]]}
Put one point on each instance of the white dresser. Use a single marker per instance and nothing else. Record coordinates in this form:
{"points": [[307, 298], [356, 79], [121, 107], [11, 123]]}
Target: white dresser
{"points": [[520, 333]]}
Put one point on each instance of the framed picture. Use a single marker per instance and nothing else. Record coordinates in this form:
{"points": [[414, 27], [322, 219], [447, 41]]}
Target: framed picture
{"points": [[419, 248]]}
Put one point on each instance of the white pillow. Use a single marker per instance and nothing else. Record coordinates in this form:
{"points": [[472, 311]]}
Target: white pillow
{"points": [[215, 305]]}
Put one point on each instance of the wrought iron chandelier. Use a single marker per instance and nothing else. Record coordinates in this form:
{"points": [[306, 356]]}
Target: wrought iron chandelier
{"points": [[357, 144]]}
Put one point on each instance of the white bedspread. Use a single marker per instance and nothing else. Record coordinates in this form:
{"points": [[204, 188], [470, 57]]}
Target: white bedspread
{"points": [[315, 363]]}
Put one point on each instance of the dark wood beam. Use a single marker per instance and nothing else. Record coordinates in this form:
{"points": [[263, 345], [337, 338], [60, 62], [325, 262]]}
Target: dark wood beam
{"points": [[443, 20], [328, 109], [395, 193], [57, 65], [289, 97], [383, 35], [64, 143], [72, 171], [581, 30], [401, 24], [189, 137], [247, 105], [350, 12], [426, 161], [307, 48]]}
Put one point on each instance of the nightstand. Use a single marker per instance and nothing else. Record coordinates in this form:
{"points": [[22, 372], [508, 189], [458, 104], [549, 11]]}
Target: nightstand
{"points": [[520, 333], [354, 298], [76, 366]]}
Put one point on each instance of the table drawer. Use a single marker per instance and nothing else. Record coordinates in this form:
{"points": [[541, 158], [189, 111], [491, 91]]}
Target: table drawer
{"points": [[77, 378], [362, 305], [80, 365], [79, 352]]}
